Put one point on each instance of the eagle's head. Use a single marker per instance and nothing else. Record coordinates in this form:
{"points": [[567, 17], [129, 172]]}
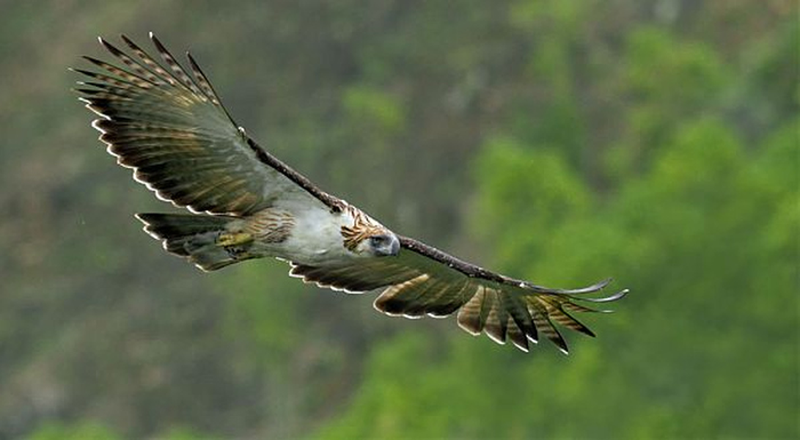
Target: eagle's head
{"points": [[382, 245], [369, 238]]}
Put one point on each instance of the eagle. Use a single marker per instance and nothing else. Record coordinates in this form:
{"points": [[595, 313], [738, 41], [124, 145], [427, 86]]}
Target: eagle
{"points": [[168, 125]]}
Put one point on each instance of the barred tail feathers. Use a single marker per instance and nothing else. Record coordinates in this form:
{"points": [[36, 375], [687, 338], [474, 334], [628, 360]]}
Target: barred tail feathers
{"points": [[205, 240]]}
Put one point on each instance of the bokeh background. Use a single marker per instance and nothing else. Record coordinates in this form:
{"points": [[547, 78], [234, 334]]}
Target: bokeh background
{"points": [[562, 141]]}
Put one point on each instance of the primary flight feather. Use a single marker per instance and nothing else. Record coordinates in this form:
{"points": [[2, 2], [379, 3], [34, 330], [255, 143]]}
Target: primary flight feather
{"points": [[168, 124]]}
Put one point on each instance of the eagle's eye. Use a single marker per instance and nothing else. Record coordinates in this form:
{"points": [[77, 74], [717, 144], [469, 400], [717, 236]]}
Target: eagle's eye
{"points": [[378, 240]]}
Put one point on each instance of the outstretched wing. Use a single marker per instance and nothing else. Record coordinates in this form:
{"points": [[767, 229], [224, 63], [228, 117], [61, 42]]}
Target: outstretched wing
{"points": [[423, 280], [171, 128]]}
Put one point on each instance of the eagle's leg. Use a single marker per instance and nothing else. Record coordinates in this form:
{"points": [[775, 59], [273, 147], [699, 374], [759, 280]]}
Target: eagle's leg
{"points": [[227, 239]]}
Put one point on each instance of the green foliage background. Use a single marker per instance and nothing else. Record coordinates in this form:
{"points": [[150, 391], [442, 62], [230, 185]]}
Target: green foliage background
{"points": [[561, 141]]}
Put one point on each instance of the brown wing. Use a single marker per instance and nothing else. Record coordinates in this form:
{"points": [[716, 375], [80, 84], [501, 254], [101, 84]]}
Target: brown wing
{"points": [[423, 280], [171, 128]]}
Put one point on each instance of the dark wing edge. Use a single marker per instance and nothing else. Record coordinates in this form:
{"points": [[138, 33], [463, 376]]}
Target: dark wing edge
{"points": [[144, 76]]}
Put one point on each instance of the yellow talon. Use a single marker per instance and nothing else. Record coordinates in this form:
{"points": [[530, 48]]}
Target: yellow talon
{"points": [[233, 239]]}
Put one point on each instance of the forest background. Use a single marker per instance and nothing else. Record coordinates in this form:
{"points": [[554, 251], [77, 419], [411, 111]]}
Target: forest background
{"points": [[561, 141]]}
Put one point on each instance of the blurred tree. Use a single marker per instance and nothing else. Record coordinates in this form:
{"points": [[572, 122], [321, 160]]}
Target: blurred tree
{"points": [[79, 431], [561, 141]]}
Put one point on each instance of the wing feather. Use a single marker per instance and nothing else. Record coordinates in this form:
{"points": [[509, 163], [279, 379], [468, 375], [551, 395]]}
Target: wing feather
{"points": [[417, 305], [130, 78], [168, 124], [396, 299], [354, 278], [177, 71], [472, 315], [517, 337], [202, 80], [497, 322], [519, 314], [556, 313], [132, 64], [544, 326], [449, 300], [421, 282]]}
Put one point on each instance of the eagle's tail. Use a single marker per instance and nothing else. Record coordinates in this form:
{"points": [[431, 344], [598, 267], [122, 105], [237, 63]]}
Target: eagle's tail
{"points": [[209, 241]]}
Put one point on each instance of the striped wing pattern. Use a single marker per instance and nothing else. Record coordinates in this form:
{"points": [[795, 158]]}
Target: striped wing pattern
{"points": [[170, 127], [415, 285]]}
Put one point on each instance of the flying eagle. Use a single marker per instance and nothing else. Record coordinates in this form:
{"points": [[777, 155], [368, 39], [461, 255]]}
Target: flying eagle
{"points": [[167, 124]]}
